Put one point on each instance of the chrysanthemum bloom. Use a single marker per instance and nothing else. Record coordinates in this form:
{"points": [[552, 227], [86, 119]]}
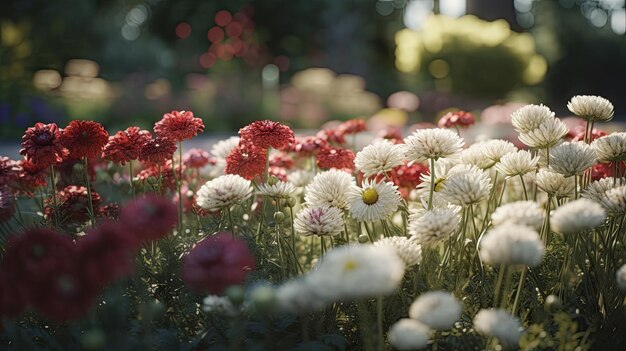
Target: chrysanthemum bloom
{"points": [[84, 138], [217, 262], [331, 136], [222, 192], [149, 218], [591, 108], [308, 146], [408, 250], [379, 158], [125, 145], [280, 189], [517, 163], [620, 277], [73, 204], [572, 158], [546, 135], [466, 185], [530, 117], [437, 309], [197, 158], [339, 158], [265, 134], [150, 177], [373, 201], [109, 211], [426, 144], [426, 226], [512, 244], [408, 334], [281, 159], [279, 173], [31, 176], [247, 161], [526, 213], [555, 184], [7, 206], [9, 170], [300, 178], [319, 220], [329, 188], [612, 199], [500, 324], [611, 148], [222, 148], [157, 150], [41, 144], [356, 271], [494, 150], [577, 216], [178, 126], [458, 119], [393, 134], [351, 126]]}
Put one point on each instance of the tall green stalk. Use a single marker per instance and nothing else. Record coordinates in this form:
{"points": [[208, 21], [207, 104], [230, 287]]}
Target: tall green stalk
{"points": [[92, 217]]}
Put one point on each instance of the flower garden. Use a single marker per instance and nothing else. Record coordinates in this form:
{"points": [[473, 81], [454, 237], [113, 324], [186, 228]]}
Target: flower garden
{"points": [[344, 238]]}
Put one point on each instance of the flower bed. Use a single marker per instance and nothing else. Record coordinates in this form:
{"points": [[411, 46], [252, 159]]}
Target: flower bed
{"points": [[276, 241]]}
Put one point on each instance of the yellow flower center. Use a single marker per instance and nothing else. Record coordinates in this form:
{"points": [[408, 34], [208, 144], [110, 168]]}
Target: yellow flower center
{"points": [[370, 196], [439, 183], [349, 265]]}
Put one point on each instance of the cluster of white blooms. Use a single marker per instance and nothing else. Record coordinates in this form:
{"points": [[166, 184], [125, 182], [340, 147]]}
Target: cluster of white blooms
{"points": [[427, 144], [408, 334], [572, 158], [466, 185], [609, 194], [526, 213], [223, 191], [319, 220], [591, 108], [279, 189], [329, 189], [517, 163], [611, 148], [500, 324], [555, 184], [577, 216], [379, 157], [427, 226], [537, 126]]}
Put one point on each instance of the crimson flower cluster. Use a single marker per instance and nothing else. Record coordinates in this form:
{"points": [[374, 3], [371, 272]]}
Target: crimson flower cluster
{"points": [[456, 119]]}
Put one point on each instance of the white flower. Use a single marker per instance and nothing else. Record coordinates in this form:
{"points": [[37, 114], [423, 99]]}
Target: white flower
{"points": [[498, 323], [329, 188], [222, 148], [591, 108], [408, 334], [610, 148], [427, 226], [495, 149], [546, 135], [379, 158], [466, 185], [526, 213], [300, 178], [408, 250], [426, 144], [554, 184], [517, 163], [577, 216], [319, 220], [223, 191], [530, 117], [572, 158], [437, 309], [620, 277], [356, 271], [279, 190], [612, 199], [298, 296], [512, 244], [373, 201], [474, 155], [218, 304]]}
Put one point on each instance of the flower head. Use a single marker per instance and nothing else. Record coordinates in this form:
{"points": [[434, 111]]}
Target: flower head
{"points": [[554, 184], [530, 117], [408, 250], [610, 148], [265, 134], [149, 218], [157, 150], [338, 158], [197, 158], [125, 145], [591, 108], [41, 144], [278, 190], [351, 126], [246, 160], [373, 201], [408, 334], [612, 199], [437, 309], [517, 163], [498, 323], [7, 207], [84, 138], [379, 158], [426, 144], [309, 145], [572, 158], [458, 119], [512, 244], [577, 216], [178, 126], [329, 188], [546, 135], [223, 191], [216, 263], [73, 203], [319, 220], [427, 226], [526, 213], [466, 184]]}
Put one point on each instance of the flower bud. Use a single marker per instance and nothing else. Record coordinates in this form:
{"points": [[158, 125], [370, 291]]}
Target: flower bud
{"points": [[291, 202], [263, 299], [236, 294], [279, 217], [272, 180], [552, 304], [363, 238]]}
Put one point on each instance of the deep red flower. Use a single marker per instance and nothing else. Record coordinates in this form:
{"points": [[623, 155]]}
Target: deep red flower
{"points": [[109, 211], [265, 134], [71, 170], [281, 159], [331, 136], [178, 126], [216, 263], [41, 144], [125, 145], [31, 176], [278, 172], [73, 204], [393, 134], [84, 138], [351, 126], [458, 119], [246, 160], [407, 177], [149, 218], [157, 150], [9, 170], [339, 158], [309, 145], [7, 206], [197, 158]]}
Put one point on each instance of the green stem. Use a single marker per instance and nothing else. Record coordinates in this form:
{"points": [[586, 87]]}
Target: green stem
{"points": [[53, 189], [520, 286], [130, 175], [524, 187], [179, 184], [432, 183], [498, 285], [88, 185], [379, 322]]}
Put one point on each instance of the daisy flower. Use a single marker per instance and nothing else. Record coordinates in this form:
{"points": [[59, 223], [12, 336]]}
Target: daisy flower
{"points": [[591, 108], [517, 163], [611, 148], [426, 144], [577, 216], [500, 324], [329, 188], [178, 126], [427, 226], [379, 158], [408, 250], [41, 144], [84, 138], [526, 213], [408, 334], [223, 191], [437, 309], [572, 158], [373, 201], [512, 244], [319, 220]]}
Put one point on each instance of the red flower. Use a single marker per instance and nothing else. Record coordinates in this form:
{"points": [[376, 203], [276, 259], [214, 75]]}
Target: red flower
{"points": [[149, 218], [150, 176], [407, 177], [352, 126], [335, 158], [578, 134], [216, 263], [246, 160], [9, 170], [331, 136], [157, 150], [458, 119], [265, 134], [73, 204], [393, 134], [178, 126], [125, 145], [309, 145], [109, 211], [281, 159], [7, 207], [84, 138], [31, 176], [42, 145], [278, 172], [197, 158]]}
